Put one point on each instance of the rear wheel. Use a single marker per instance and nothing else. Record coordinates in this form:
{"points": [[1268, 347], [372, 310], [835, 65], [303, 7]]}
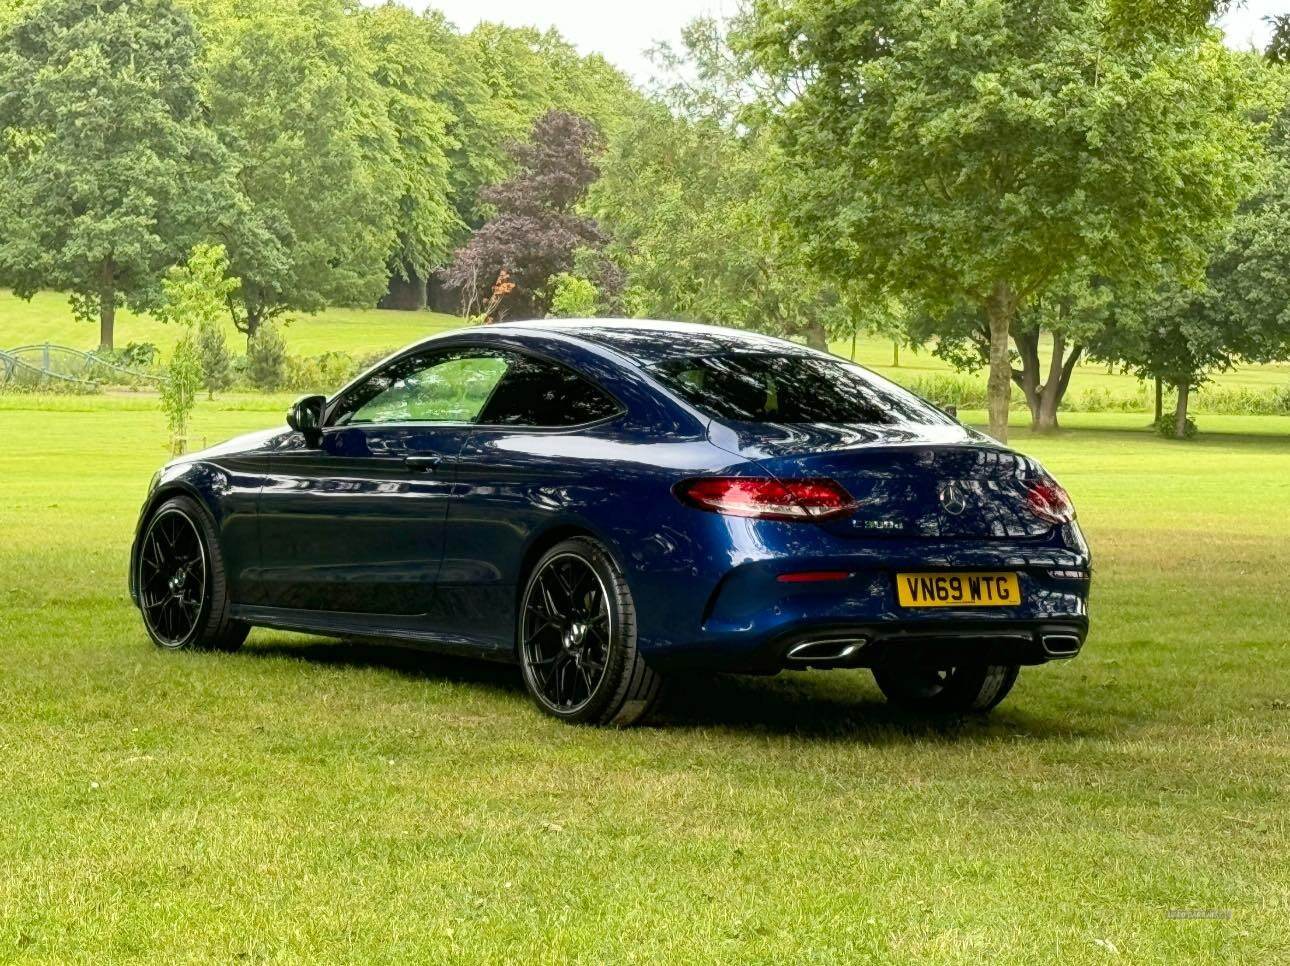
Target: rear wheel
{"points": [[183, 594], [976, 687], [577, 639]]}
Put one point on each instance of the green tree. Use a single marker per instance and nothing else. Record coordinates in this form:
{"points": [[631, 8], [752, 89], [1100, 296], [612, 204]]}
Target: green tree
{"points": [[266, 358], [107, 164], [292, 95], [410, 57], [196, 295], [686, 192], [1180, 333], [980, 151], [179, 390]]}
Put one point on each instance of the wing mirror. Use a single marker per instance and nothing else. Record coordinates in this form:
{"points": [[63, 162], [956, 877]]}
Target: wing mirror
{"points": [[306, 416], [952, 412]]}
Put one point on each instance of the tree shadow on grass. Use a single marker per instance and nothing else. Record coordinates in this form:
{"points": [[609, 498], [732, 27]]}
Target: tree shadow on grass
{"points": [[819, 706]]}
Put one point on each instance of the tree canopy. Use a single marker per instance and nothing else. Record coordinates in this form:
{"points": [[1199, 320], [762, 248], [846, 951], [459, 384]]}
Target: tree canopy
{"points": [[980, 150], [536, 232], [107, 164]]}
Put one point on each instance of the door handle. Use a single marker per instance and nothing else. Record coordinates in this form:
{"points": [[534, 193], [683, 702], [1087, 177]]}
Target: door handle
{"points": [[421, 463]]}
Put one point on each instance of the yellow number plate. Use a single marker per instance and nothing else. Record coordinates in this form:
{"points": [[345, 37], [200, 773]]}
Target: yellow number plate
{"points": [[958, 590]]}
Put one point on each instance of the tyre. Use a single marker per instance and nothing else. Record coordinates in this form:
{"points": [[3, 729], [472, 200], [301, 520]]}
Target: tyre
{"points": [[954, 690], [183, 593], [577, 639]]}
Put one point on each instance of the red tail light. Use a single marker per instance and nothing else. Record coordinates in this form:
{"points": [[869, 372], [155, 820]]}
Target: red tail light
{"points": [[763, 499], [1049, 501]]}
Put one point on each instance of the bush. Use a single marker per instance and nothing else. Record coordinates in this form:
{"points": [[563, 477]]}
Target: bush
{"points": [[949, 390], [573, 297], [217, 361], [321, 373], [140, 356], [1166, 426], [266, 358]]}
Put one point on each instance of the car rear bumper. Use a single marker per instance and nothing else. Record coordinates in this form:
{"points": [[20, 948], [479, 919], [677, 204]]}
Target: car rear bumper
{"points": [[921, 643], [754, 621]]}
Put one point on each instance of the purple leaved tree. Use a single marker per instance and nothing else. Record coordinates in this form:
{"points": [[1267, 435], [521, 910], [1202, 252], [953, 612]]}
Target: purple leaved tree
{"points": [[504, 269]]}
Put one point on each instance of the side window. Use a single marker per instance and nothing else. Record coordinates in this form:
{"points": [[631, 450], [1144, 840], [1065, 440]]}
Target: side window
{"points": [[446, 387], [538, 393]]}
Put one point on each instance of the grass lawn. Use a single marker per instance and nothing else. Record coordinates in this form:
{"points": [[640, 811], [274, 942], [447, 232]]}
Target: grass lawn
{"points": [[312, 801], [47, 318], [361, 332]]}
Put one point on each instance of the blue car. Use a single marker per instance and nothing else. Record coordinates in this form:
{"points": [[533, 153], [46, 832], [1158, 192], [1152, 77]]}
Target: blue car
{"points": [[607, 503]]}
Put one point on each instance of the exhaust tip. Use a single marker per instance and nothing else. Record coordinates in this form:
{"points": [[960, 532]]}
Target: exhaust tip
{"points": [[824, 651], [1060, 645]]}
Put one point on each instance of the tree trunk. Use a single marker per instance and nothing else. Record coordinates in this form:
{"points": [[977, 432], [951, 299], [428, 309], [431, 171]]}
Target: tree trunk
{"points": [[408, 294], [252, 323], [107, 305], [1000, 309], [1160, 400], [1180, 413], [855, 335], [895, 354], [816, 337], [1027, 379], [1050, 395]]}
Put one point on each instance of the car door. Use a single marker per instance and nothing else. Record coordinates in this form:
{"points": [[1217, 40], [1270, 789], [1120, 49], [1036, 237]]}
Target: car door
{"points": [[356, 525], [519, 470]]}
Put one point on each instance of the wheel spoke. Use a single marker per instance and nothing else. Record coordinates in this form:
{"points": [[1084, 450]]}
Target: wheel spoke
{"points": [[172, 577], [565, 632]]}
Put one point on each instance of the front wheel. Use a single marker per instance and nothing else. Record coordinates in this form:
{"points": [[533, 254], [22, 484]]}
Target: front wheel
{"points": [[183, 593], [577, 639], [946, 690]]}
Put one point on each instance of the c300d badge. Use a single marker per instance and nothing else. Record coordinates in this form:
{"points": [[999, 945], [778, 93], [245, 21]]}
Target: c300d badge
{"points": [[953, 498]]}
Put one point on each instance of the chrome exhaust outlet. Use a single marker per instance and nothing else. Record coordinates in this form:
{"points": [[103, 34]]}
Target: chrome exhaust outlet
{"points": [[1060, 645], [824, 651]]}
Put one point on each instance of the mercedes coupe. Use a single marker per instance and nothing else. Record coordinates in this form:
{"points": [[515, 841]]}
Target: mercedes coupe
{"points": [[608, 503]]}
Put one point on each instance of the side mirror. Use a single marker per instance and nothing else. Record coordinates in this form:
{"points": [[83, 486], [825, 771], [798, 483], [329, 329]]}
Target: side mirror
{"points": [[952, 412], [306, 416]]}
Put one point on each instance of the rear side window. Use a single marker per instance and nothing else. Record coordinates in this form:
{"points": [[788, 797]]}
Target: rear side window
{"points": [[767, 388], [534, 392]]}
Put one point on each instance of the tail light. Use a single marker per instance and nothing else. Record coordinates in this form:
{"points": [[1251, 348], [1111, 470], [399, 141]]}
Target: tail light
{"points": [[1049, 501], [765, 499]]}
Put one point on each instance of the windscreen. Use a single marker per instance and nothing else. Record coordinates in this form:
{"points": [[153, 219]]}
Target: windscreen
{"points": [[768, 388]]}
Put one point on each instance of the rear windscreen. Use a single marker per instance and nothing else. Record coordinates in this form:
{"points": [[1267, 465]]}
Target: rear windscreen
{"points": [[765, 388]]}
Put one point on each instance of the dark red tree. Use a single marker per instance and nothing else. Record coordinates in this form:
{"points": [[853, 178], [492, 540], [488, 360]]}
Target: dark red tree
{"points": [[536, 230]]}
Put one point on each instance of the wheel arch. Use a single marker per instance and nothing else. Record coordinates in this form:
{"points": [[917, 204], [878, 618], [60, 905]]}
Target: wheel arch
{"points": [[177, 486]]}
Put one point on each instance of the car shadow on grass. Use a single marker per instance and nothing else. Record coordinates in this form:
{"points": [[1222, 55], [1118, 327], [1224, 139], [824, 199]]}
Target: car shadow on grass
{"points": [[840, 706], [836, 705], [404, 660]]}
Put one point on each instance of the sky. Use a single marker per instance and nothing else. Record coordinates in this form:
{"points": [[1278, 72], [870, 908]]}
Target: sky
{"points": [[623, 30]]}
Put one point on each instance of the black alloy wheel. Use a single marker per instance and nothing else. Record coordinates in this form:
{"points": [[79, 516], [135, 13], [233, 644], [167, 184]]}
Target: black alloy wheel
{"points": [[577, 638], [183, 594], [976, 687], [173, 581]]}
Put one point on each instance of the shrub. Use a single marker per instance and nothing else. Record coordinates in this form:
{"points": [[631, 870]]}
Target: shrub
{"points": [[949, 390], [217, 361], [321, 373], [573, 297], [1166, 426], [140, 356], [266, 358]]}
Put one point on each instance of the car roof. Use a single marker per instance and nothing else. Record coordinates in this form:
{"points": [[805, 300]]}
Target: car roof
{"points": [[648, 341]]}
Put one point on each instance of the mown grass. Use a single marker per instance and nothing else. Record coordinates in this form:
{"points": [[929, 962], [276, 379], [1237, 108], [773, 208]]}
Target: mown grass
{"points": [[361, 332], [305, 800], [48, 318]]}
